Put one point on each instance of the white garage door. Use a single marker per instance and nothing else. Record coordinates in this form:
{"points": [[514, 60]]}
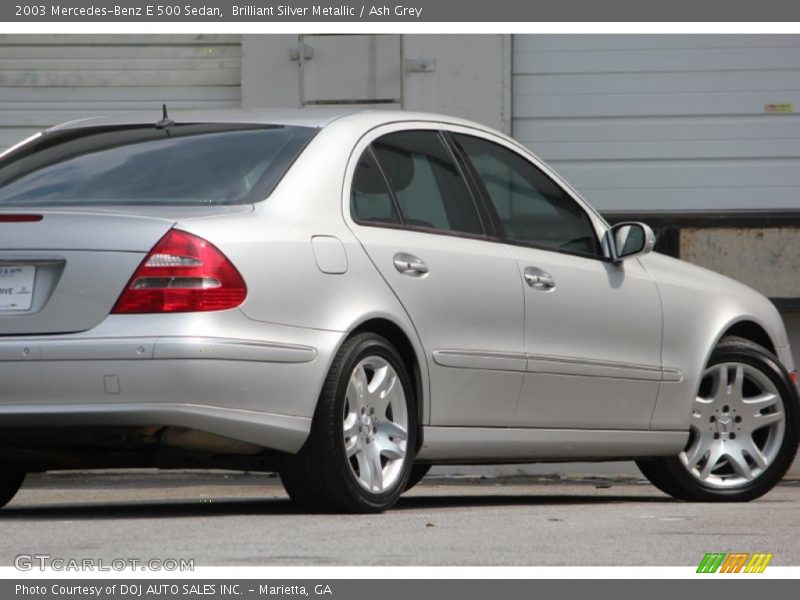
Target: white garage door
{"points": [[48, 79], [673, 123]]}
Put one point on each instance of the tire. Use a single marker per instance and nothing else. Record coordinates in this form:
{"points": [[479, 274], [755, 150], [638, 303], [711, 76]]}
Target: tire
{"points": [[10, 483], [359, 454], [737, 429], [418, 471]]}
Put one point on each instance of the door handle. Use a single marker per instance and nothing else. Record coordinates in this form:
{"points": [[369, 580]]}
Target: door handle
{"points": [[408, 264], [538, 279]]}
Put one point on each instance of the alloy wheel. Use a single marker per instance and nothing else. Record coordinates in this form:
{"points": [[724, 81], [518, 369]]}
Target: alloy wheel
{"points": [[375, 424], [737, 428]]}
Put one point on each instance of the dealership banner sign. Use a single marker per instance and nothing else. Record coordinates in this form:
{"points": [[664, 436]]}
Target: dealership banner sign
{"points": [[398, 11]]}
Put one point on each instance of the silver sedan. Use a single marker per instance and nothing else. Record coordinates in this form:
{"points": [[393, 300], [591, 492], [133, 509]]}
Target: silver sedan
{"points": [[348, 299]]}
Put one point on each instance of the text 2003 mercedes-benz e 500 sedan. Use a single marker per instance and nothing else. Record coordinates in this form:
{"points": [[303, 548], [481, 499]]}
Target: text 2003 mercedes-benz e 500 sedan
{"points": [[350, 299]]}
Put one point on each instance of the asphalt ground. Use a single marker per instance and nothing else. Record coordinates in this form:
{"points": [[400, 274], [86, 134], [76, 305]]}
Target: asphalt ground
{"points": [[221, 518]]}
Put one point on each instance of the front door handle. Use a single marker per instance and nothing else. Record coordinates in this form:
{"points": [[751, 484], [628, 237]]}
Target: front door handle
{"points": [[408, 264], [538, 279]]}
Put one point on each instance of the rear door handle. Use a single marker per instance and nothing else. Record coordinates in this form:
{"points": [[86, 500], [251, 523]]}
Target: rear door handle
{"points": [[538, 279], [410, 265]]}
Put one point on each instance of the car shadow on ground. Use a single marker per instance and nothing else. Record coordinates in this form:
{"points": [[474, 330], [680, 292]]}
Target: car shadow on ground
{"points": [[222, 506]]}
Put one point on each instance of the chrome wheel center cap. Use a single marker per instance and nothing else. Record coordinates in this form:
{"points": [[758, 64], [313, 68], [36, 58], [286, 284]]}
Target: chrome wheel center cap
{"points": [[724, 424]]}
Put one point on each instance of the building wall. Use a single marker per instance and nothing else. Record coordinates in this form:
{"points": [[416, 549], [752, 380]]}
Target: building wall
{"points": [[49, 79], [665, 122], [462, 75]]}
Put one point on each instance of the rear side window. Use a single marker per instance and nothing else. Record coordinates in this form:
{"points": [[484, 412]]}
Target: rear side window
{"points": [[370, 199], [531, 206], [425, 182], [191, 164]]}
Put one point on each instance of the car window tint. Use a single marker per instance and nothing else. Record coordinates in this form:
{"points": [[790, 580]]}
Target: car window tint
{"points": [[531, 206], [189, 163], [424, 179], [369, 197]]}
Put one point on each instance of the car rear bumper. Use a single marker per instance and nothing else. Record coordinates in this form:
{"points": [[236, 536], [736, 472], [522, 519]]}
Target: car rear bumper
{"points": [[260, 389]]}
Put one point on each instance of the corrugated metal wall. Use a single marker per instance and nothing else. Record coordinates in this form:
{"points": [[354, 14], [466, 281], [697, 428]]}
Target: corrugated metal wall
{"points": [[48, 79], [664, 122]]}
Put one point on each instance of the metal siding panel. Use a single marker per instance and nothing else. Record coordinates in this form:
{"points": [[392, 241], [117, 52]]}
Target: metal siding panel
{"points": [[679, 149], [649, 61], [651, 104], [647, 129], [47, 79], [116, 39], [631, 83], [672, 122], [576, 42]]}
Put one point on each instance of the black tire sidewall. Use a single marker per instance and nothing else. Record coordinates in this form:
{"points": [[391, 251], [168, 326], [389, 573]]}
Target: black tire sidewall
{"points": [[10, 484]]}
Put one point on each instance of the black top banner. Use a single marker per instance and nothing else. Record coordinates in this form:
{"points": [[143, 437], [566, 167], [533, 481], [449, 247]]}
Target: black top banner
{"points": [[302, 11]]}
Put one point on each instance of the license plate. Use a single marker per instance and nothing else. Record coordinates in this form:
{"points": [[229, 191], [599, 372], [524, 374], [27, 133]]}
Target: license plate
{"points": [[16, 287]]}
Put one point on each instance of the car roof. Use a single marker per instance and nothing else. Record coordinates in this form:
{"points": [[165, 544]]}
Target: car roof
{"points": [[317, 117]]}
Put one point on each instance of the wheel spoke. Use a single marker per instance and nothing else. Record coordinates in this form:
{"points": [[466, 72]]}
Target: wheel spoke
{"points": [[383, 395], [761, 420], [364, 468], [737, 461], [749, 446], [390, 429], [720, 390], [389, 449], [351, 447], [350, 425], [357, 390], [379, 380], [736, 388], [697, 451], [375, 467], [713, 460], [761, 401], [391, 392]]}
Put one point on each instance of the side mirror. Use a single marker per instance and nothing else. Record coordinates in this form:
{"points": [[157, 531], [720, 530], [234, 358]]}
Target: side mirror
{"points": [[630, 239]]}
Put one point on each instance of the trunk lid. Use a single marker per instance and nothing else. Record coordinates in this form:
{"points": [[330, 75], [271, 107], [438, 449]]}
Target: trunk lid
{"points": [[64, 272]]}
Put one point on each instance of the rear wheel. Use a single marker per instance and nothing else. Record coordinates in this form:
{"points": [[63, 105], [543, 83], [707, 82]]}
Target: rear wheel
{"points": [[744, 429], [10, 483], [359, 453]]}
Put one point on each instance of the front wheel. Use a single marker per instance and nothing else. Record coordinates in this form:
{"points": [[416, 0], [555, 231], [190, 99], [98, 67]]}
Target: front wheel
{"points": [[744, 429], [360, 449]]}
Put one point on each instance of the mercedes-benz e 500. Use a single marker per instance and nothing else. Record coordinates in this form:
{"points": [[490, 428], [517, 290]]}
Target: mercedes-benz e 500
{"points": [[348, 299]]}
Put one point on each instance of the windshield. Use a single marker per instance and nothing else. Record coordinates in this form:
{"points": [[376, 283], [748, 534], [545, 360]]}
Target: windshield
{"points": [[191, 164]]}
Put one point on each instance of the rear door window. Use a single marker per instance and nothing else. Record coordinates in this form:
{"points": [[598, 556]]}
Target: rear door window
{"points": [[426, 183]]}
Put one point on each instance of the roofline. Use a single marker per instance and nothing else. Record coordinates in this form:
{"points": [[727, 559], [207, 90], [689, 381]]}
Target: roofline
{"points": [[304, 117], [298, 117]]}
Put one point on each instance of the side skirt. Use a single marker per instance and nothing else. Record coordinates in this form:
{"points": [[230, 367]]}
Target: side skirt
{"points": [[497, 444]]}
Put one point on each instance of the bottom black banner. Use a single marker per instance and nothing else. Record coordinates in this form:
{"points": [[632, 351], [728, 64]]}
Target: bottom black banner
{"points": [[386, 589]]}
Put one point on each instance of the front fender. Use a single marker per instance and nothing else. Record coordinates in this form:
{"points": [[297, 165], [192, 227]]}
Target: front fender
{"points": [[699, 306]]}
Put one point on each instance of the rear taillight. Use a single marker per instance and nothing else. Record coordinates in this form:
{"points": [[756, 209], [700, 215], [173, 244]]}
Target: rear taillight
{"points": [[182, 273]]}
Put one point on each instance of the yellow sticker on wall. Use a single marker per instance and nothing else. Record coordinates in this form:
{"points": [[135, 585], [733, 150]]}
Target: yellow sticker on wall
{"points": [[779, 108]]}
